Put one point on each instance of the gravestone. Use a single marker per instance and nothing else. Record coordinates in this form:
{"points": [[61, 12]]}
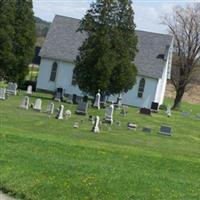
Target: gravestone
{"points": [[68, 113], [168, 112], [146, 130], [185, 114], [79, 99], [60, 112], [29, 90], [198, 115], [50, 108], [103, 101], [11, 88], [154, 106], [124, 111], [2, 93], [118, 123], [145, 111], [70, 99], [37, 105], [109, 114], [25, 103], [118, 103], [95, 128], [97, 100], [132, 126], [82, 108], [165, 130], [85, 99], [74, 99], [57, 96], [76, 125]]}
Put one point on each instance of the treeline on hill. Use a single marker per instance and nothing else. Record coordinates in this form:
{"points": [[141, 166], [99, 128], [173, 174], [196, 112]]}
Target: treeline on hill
{"points": [[41, 29]]}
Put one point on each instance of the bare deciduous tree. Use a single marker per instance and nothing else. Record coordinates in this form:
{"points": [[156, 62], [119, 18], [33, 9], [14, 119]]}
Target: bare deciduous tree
{"points": [[184, 25]]}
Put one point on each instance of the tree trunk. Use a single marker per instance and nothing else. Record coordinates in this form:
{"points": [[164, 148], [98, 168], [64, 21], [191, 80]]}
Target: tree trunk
{"points": [[179, 95]]}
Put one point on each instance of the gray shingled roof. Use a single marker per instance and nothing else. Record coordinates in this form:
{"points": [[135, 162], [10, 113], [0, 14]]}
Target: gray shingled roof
{"points": [[63, 41]]}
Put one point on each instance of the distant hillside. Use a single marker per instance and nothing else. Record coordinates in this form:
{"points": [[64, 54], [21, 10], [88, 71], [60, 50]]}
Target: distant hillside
{"points": [[42, 28]]}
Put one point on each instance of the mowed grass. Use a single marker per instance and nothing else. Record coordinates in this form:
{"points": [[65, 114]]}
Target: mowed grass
{"points": [[48, 159]]}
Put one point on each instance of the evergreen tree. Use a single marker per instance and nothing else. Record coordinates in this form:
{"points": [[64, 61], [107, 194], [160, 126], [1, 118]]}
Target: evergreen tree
{"points": [[7, 18], [124, 42], [105, 58], [24, 38]]}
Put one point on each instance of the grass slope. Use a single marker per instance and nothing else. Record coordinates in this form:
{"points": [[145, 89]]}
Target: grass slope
{"points": [[46, 159]]}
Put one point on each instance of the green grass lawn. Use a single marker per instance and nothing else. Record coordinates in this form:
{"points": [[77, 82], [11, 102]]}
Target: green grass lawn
{"points": [[44, 158]]}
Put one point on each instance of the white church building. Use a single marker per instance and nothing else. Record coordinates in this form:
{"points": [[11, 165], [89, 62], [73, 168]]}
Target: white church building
{"points": [[153, 62]]}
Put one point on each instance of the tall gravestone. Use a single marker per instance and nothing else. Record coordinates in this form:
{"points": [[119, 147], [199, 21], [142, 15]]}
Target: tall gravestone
{"points": [[2, 93], [97, 100], [95, 128], [50, 108], [168, 112], [60, 112], [118, 103], [109, 114]]}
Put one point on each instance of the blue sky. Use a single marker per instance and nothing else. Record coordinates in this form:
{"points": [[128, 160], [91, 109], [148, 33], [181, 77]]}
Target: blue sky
{"points": [[147, 12]]}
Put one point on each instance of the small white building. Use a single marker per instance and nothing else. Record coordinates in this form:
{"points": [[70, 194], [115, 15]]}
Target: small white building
{"points": [[153, 62]]}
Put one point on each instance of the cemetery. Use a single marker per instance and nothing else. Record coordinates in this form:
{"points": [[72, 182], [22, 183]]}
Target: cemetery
{"points": [[84, 112], [76, 150]]}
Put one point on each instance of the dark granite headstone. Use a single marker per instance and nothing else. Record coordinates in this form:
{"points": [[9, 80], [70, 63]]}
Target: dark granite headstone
{"points": [[103, 101], [85, 99], [165, 130], [59, 94], [145, 111], [74, 99], [154, 106], [82, 108], [146, 130]]}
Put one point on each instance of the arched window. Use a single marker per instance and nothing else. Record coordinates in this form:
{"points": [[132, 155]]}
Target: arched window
{"points": [[141, 87], [74, 78], [53, 71]]}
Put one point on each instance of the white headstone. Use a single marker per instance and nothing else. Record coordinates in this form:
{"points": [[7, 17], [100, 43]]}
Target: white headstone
{"points": [[29, 89], [2, 93], [132, 126], [95, 128], [97, 100], [68, 113], [38, 105], [168, 112], [25, 103], [60, 113], [50, 108], [109, 114], [76, 125]]}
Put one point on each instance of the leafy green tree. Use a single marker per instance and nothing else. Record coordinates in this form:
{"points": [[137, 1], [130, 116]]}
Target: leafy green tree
{"points": [[105, 58], [7, 19], [24, 38], [124, 42]]}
